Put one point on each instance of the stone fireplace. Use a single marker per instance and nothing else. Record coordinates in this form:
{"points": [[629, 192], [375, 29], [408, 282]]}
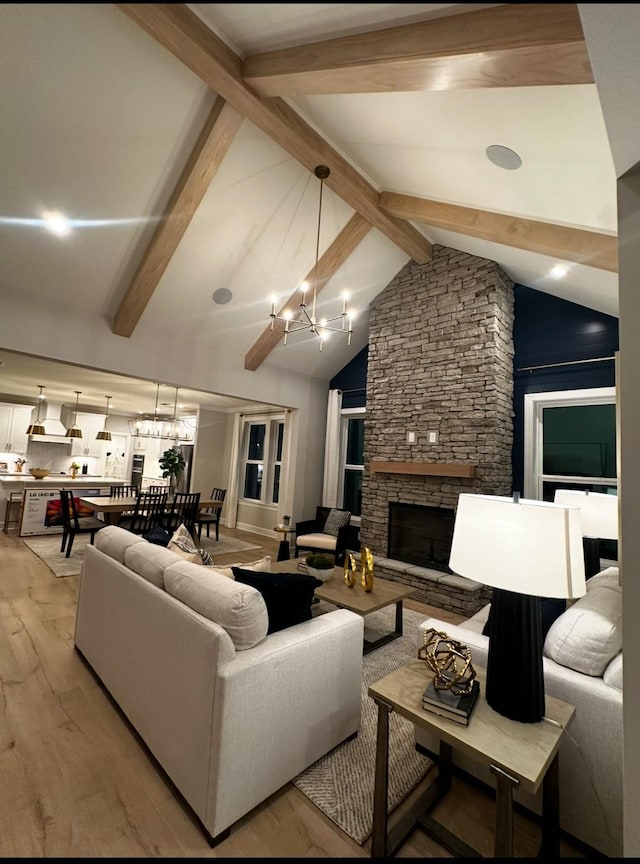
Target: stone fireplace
{"points": [[439, 399]]}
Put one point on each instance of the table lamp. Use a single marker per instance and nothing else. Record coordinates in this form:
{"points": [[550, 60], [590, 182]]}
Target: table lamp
{"points": [[524, 550], [599, 520]]}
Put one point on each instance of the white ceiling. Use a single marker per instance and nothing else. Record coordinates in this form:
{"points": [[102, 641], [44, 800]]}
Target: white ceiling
{"points": [[98, 120]]}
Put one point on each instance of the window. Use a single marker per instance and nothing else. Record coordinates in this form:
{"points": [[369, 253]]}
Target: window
{"points": [[352, 460], [570, 442], [262, 464]]}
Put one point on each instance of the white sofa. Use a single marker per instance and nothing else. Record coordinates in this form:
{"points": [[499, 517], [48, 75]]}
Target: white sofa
{"points": [[230, 713], [583, 666]]}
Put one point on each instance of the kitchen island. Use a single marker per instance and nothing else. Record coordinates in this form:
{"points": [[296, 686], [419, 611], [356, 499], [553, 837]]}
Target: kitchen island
{"points": [[21, 481]]}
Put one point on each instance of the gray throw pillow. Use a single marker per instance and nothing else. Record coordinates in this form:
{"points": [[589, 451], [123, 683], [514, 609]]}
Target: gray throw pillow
{"points": [[335, 520]]}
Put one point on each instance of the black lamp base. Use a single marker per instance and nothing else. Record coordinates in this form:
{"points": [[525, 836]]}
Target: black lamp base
{"points": [[515, 679], [591, 547]]}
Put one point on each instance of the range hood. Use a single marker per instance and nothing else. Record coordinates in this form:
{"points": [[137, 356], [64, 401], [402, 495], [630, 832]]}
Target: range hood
{"points": [[56, 431]]}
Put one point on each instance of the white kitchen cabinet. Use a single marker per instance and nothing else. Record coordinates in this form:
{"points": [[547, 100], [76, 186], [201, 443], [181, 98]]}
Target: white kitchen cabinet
{"points": [[88, 445], [14, 421]]}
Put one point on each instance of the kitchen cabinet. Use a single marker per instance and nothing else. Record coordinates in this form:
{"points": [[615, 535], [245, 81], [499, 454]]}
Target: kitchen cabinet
{"points": [[14, 421], [90, 424]]}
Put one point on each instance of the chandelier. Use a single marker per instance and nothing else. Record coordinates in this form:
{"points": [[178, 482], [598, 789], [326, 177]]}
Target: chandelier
{"points": [[305, 320]]}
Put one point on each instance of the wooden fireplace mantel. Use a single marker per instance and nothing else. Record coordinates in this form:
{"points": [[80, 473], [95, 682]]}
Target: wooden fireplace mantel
{"points": [[434, 469]]}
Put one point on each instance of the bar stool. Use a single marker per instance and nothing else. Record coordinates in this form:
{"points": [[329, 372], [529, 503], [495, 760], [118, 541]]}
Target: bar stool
{"points": [[13, 499]]}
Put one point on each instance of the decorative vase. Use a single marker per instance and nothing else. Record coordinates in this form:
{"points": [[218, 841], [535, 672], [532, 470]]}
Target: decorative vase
{"points": [[18, 469], [366, 576], [74, 471], [322, 575], [349, 570]]}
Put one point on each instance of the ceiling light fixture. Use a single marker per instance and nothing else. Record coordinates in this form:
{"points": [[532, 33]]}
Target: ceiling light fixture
{"points": [[306, 321], [57, 224], [103, 435], [73, 431], [37, 428]]}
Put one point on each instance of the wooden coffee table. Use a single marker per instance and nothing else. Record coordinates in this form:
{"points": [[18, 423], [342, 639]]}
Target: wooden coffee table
{"points": [[356, 599]]}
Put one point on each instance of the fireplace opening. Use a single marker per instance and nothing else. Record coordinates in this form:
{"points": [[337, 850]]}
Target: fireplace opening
{"points": [[420, 535]]}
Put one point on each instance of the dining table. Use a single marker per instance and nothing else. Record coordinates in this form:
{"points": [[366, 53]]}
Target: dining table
{"points": [[113, 506]]}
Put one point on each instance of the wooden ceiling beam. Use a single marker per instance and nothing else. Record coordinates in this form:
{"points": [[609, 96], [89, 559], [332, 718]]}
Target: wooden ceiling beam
{"points": [[214, 141], [512, 45], [180, 30], [356, 229], [589, 248]]}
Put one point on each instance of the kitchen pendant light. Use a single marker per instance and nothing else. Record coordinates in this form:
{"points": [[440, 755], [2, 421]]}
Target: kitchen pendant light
{"points": [[103, 435], [37, 428], [175, 422], [155, 432], [73, 431]]}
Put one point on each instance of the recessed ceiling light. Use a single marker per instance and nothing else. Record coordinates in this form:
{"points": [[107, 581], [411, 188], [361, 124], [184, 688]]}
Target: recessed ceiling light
{"points": [[56, 223], [503, 157], [222, 296], [559, 271]]}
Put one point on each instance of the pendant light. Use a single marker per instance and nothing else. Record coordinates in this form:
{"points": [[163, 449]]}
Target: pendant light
{"points": [[304, 320], [37, 428], [155, 432], [73, 431], [103, 435], [175, 419]]}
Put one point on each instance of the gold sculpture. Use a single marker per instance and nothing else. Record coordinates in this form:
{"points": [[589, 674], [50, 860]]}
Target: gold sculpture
{"points": [[349, 570], [366, 568], [449, 660]]}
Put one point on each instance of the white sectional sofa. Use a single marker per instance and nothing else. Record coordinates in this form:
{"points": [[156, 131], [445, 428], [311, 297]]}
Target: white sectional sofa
{"points": [[229, 712], [583, 666]]}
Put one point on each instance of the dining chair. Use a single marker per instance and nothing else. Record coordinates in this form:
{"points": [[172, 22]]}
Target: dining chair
{"points": [[211, 515], [148, 512], [157, 490], [183, 510], [124, 491], [73, 524]]}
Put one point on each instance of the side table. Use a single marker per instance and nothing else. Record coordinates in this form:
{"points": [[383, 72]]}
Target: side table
{"points": [[284, 551], [518, 754]]}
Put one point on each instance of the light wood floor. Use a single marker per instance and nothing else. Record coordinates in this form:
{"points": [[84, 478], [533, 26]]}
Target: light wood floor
{"points": [[75, 781]]}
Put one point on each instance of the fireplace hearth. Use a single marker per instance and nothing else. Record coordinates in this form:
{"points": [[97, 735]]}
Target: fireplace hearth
{"points": [[420, 535]]}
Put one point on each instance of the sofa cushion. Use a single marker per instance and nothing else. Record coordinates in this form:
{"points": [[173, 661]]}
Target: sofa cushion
{"points": [[114, 541], [335, 521], [263, 565], [609, 577], [149, 561], [287, 596], [589, 634], [613, 673], [238, 608], [317, 541]]}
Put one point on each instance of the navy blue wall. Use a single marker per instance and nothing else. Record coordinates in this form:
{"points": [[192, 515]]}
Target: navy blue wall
{"points": [[547, 330]]}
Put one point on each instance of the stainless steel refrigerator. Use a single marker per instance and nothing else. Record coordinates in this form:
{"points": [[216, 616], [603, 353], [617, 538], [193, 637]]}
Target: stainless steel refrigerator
{"points": [[184, 483]]}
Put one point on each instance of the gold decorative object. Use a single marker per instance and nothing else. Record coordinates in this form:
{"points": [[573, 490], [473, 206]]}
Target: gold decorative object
{"points": [[349, 570], [449, 660], [366, 576]]}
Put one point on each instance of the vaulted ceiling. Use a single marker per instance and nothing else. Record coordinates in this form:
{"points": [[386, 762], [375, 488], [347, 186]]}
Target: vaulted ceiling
{"points": [[182, 141]]}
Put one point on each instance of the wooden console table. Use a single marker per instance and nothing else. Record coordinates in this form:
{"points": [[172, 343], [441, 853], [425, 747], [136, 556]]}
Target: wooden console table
{"points": [[518, 754]]}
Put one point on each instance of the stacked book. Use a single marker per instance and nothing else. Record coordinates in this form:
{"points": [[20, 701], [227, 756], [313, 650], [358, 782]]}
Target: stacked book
{"points": [[447, 704]]}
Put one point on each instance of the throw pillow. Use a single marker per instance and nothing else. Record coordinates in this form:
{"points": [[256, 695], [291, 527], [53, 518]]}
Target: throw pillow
{"points": [[182, 543], [335, 521], [263, 565], [589, 634], [287, 596]]}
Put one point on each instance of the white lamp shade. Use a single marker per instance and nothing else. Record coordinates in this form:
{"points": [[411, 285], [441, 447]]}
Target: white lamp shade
{"points": [[528, 547], [598, 512]]}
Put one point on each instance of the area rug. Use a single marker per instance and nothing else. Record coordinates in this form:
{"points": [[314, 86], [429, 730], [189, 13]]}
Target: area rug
{"points": [[224, 545], [48, 549], [341, 783]]}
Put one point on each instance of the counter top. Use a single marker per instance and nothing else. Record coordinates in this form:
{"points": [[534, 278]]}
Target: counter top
{"points": [[54, 480]]}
